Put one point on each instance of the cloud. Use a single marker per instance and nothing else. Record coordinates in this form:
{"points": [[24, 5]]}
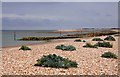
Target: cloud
{"points": [[60, 1], [59, 15], [24, 22], [108, 15], [27, 17]]}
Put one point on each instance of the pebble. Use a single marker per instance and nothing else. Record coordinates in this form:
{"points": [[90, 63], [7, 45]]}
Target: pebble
{"points": [[89, 61]]}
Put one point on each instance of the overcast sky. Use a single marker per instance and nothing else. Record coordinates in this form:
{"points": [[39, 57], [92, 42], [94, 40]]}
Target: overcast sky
{"points": [[59, 15], [60, 0]]}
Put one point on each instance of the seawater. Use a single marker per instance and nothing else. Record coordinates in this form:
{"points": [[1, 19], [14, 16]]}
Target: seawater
{"points": [[8, 36]]}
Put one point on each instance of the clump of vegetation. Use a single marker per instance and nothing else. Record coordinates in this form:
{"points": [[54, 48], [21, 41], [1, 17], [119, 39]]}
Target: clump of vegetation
{"points": [[104, 44], [79, 40], [109, 55], [24, 48], [88, 45], [110, 38], [97, 39], [66, 48], [84, 41], [52, 60]]}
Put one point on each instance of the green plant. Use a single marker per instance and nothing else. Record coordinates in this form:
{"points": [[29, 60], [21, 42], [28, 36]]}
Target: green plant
{"points": [[110, 38], [97, 39], [84, 41], [78, 40], [24, 48], [66, 48], [104, 44], [88, 45], [109, 55], [52, 60]]}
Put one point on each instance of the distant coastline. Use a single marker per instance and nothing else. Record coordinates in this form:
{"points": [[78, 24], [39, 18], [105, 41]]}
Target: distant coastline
{"points": [[8, 35]]}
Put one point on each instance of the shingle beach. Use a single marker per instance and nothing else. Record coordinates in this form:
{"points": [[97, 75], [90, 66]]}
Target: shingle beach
{"points": [[90, 62]]}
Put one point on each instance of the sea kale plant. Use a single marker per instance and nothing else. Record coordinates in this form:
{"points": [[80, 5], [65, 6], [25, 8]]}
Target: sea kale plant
{"points": [[24, 48], [104, 44], [84, 41], [88, 45], [66, 48], [110, 38], [79, 40], [109, 55], [52, 60], [97, 39]]}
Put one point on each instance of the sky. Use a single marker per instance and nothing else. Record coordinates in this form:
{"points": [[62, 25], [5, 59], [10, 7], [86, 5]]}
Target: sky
{"points": [[58, 15], [60, 0], [0, 16]]}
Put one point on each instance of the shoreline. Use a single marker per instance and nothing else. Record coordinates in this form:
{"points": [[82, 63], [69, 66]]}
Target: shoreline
{"points": [[52, 41], [70, 36]]}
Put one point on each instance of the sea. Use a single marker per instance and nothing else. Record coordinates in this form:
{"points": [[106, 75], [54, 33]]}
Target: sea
{"points": [[9, 40]]}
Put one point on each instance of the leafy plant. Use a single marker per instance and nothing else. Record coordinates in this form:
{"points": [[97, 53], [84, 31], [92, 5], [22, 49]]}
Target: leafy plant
{"points": [[78, 40], [110, 38], [97, 39], [24, 48], [84, 41], [88, 45], [109, 55], [66, 48], [52, 60], [104, 44]]}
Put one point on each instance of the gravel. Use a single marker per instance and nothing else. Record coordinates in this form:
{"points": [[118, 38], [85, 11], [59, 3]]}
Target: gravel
{"points": [[18, 62]]}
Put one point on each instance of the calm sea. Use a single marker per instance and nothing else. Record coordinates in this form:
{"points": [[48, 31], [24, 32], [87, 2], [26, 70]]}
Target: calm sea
{"points": [[8, 36]]}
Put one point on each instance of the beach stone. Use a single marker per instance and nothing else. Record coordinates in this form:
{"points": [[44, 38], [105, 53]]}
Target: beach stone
{"points": [[18, 62]]}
